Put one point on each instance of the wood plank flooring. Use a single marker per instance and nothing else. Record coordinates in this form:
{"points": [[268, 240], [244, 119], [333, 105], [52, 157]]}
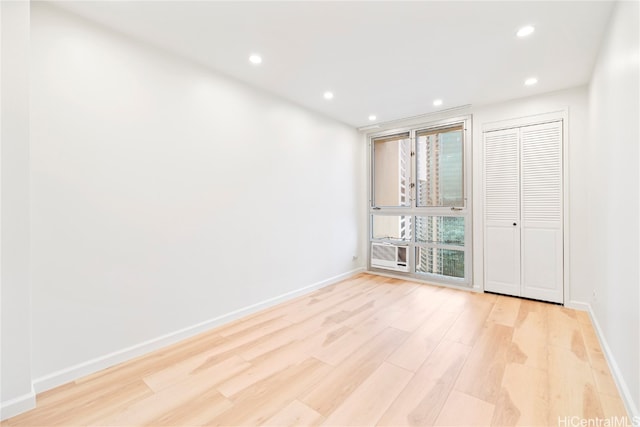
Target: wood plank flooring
{"points": [[366, 351]]}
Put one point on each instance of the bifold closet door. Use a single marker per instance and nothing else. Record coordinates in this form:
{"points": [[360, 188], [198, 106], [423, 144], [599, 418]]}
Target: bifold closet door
{"points": [[502, 211], [541, 211]]}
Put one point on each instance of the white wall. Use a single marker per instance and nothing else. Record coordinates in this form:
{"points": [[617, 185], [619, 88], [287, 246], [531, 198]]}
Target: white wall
{"points": [[575, 101], [165, 195], [613, 229], [16, 394]]}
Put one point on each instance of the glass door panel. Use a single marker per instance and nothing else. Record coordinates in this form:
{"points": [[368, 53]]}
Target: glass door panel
{"points": [[440, 167], [448, 230], [442, 262], [391, 227], [391, 171]]}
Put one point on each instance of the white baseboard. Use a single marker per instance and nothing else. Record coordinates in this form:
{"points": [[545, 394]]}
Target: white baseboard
{"points": [[623, 388], [72, 373], [577, 305], [17, 405]]}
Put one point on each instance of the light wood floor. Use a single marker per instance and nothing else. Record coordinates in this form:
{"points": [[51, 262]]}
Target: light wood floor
{"points": [[366, 351]]}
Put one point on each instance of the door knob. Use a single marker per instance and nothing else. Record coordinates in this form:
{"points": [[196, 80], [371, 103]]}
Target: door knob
{"points": [[514, 224]]}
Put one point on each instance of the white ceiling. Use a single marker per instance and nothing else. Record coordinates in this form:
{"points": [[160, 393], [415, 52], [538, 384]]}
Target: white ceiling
{"points": [[391, 59]]}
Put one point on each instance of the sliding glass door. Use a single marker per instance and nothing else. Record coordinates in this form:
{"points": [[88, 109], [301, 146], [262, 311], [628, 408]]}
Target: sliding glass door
{"points": [[420, 203]]}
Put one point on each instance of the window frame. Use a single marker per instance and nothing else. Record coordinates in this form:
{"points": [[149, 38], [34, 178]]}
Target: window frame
{"points": [[373, 161], [415, 211], [430, 130]]}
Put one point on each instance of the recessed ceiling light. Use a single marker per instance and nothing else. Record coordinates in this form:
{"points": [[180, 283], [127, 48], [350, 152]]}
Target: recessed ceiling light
{"points": [[525, 31], [328, 95], [255, 59], [437, 102], [372, 117], [530, 81]]}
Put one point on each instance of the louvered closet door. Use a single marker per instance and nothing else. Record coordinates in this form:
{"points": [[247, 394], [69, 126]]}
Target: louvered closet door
{"points": [[541, 211], [502, 211]]}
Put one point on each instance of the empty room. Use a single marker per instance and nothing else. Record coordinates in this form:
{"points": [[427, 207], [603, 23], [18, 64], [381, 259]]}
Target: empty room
{"points": [[367, 213]]}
